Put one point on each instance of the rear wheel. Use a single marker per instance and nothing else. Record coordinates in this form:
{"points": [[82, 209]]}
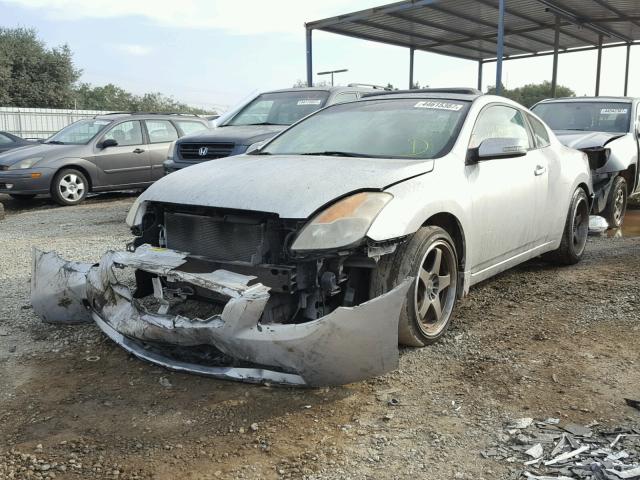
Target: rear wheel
{"points": [[69, 187], [616, 203], [430, 257], [576, 230], [22, 196]]}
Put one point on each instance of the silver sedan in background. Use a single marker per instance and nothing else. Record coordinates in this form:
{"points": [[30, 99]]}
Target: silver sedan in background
{"points": [[308, 260]]}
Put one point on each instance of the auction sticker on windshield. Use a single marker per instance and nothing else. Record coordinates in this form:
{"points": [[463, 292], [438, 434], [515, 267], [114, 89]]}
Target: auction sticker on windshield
{"points": [[454, 107], [310, 101], [614, 111]]}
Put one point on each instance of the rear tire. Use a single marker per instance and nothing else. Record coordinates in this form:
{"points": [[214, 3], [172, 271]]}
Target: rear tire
{"points": [[69, 187], [431, 258], [576, 230], [616, 203], [22, 197]]}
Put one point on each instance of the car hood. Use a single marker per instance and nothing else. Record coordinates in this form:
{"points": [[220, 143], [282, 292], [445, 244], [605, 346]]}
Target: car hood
{"points": [[45, 150], [241, 134], [291, 186], [580, 140]]}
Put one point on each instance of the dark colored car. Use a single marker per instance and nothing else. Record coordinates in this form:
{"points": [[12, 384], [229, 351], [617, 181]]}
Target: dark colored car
{"points": [[8, 141], [257, 121], [107, 152]]}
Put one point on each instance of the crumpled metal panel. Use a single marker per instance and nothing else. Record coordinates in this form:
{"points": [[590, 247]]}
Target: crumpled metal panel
{"points": [[347, 345]]}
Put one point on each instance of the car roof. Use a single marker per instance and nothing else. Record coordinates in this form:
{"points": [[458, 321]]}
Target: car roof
{"points": [[466, 94], [589, 99], [148, 115], [349, 88]]}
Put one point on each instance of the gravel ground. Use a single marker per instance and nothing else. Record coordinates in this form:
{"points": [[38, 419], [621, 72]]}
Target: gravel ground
{"points": [[537, 341]]}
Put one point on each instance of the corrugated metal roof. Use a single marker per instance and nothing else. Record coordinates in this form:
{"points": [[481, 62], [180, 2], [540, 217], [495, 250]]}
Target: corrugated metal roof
{"points": [[468, 28]]}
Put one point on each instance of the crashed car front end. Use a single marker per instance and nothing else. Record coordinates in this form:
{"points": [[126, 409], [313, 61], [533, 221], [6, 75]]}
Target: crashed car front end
{"points": [[222, 293]]}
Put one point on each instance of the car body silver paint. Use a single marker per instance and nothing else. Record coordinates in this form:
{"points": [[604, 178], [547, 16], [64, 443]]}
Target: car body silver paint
{"points": [[347, 345], [292, 186]]}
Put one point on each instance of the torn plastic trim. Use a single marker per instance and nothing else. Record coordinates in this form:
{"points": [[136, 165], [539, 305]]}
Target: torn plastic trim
{"points": [[347, 345]]}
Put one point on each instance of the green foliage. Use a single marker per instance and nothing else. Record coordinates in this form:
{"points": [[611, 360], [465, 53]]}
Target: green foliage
{"points": [[532, 93], [32, 75], [111, 97]]}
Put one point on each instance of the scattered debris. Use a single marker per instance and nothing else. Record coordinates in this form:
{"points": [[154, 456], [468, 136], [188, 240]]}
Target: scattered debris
{"points": [[164, 381], [93, 358], [554, 450], [597, 224]]}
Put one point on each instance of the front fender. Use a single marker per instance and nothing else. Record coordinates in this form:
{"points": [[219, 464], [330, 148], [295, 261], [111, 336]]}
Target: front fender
{"points": [[77, 162]]}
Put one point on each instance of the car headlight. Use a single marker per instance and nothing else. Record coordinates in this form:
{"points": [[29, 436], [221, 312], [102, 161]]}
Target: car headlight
{"points": [[26, 163], [172, 150], [136, 212], [343, 223]]}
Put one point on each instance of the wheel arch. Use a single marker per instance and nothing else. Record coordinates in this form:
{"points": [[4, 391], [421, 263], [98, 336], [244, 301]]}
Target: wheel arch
{"points": [[450, 223], [630, 177], [75, 166]]}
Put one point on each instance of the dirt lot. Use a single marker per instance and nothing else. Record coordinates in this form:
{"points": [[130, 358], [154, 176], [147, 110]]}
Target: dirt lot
{"points": [[537, 341]]}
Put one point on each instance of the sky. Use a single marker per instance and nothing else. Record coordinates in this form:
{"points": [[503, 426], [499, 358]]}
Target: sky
{"points": [[216, 53]]}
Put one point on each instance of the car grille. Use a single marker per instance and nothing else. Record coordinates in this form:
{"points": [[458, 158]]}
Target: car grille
{"points": [[213, 238], [205, 151]]}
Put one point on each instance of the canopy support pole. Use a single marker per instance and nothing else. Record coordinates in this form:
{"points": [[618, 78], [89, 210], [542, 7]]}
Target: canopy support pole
{"points": [[626, 71], [411, 55], [309, 59], [556, 45], [500, 52], [480, 63], [599, 67]]}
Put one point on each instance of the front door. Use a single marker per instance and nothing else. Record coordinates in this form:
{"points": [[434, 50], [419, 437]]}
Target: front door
{"points": [[127, 163], [504, 192]]}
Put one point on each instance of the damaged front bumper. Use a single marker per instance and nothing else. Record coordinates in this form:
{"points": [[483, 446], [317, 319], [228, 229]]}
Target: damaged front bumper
{"points": [[347, 345]]}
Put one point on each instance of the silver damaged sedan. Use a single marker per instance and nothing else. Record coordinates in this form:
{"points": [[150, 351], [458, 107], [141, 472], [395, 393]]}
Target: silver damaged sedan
{"points": [[307, 261]]}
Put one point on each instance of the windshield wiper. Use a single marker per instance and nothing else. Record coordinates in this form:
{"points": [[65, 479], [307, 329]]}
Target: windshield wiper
{"points": [[258, 152], [336, 153], [55, 142]]}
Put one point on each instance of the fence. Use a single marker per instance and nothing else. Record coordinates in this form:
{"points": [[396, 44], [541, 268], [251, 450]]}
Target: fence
{"points": [[39, 122]]}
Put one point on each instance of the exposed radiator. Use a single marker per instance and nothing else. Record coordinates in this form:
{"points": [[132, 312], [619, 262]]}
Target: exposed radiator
{"points": [[213, 238]]}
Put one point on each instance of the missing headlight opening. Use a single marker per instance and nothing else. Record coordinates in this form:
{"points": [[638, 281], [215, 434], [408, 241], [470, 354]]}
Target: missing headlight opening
{"points": [[220, 293]]}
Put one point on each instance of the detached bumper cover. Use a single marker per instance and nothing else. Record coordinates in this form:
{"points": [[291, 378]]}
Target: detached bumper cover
{"points": [[347, 345]]}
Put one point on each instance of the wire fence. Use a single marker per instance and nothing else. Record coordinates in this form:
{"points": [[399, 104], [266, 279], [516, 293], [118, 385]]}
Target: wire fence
{"points": [[36, 123]]}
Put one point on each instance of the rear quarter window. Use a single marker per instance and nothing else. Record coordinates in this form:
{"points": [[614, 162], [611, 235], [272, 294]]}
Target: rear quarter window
{"points": [[540, 133]]}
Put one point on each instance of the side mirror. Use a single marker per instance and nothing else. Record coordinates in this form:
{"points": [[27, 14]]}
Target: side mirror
{"points": [[255, 148], [109, 142], [493, 148]]}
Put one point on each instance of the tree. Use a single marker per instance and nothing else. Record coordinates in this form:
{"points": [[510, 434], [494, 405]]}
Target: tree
{"points": [[32, 75], [532, 93]]}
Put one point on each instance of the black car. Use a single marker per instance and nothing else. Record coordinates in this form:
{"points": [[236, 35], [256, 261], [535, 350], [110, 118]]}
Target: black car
{"points": [[9, 141]]}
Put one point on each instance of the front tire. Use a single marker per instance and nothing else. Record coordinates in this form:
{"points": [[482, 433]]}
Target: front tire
{"points": [[576, 230], [430, 257], [69, 187], [616, 203]]}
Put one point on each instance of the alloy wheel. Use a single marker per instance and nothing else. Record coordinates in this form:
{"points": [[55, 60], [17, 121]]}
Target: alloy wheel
{"points": [[580, 225], [71, 187], [435, 288]]}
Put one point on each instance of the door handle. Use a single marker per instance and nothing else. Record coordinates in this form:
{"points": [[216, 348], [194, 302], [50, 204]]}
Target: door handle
{"points": [[138, 150], [540, 170]]}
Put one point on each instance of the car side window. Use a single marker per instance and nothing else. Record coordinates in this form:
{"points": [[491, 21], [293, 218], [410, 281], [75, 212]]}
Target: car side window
{"points": [[126, 133], [540, 133], [161, 131], [4, 140], [346, 97], [499, 121], [188, 127]]}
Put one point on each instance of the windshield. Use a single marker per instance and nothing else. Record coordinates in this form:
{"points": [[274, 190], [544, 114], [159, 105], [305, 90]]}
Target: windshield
{"points": [[282, 108], [393, 128], [586, 116], [79, 133]]}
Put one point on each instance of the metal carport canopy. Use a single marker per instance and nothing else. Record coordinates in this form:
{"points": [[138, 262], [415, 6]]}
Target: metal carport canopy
{"points": [[492, 30]]}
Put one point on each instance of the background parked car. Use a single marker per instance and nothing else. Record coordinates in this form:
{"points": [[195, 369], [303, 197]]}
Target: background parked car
{"points": [[8, 141], [107, 152], [607, 129], [257, 121]]}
